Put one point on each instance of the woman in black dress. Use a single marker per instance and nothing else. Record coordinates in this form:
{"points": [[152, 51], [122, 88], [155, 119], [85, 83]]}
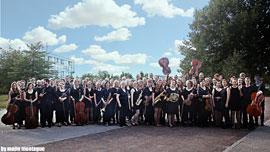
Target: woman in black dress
{"points": [[98, 102], [30, 97], [13, 98], [158, 91], [218, 103], [235, 103], [114, 90], [106, 99], [89, 103], [225, 97], [122, 100], [62, 105], [172, 102], [136, 95], [148, 98], [187, 97], [204, 95]]}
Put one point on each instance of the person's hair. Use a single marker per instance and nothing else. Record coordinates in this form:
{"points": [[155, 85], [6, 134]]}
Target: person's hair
{"points": [[123, 83], [29, 83], [116, 81], [47, 80], [11, 88]]}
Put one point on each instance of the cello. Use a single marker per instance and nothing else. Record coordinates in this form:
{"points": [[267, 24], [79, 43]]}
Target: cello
{"points": [[196, 64], [9, 117], [255, 109], [31, 120], [80, 117]]}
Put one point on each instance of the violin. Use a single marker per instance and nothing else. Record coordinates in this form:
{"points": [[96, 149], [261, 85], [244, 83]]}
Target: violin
{"points": [[164, 63], [80, 117], [255, 109], [31, 119], [9, 117], [196, 64]]}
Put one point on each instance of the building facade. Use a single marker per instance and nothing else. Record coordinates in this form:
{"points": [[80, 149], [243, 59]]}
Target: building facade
{"points": [[61, 66]]}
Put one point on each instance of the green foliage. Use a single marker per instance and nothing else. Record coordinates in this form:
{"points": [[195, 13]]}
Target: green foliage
{"points": [[22, 65], [3, 101], [230, 36], [127, 75]]}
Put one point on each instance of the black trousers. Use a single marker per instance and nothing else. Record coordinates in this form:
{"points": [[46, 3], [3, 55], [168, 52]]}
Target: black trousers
{"points": [[108, 114], [203, 114], [123, 112], [149, 114], [71, 110], [226, 115], [186, 115], [46, 113], [195, 111]]}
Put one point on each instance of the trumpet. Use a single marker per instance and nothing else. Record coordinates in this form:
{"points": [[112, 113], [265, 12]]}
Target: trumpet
{"points": [[158, 98], [139, 100]]}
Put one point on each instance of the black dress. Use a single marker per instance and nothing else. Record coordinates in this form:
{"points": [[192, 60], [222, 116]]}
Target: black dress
{"points": [[18, 118], [172, 106], [88, 94], [235, 102], [219, 104], [123, 97], [136, 95], [149, 113], [62, 107]]}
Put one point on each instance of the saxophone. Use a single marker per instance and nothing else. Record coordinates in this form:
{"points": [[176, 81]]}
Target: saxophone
{"points": [[157, 99], [139, 100]]}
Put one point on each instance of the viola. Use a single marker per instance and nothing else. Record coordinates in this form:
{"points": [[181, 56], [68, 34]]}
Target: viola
{"points": [[164, 63], [31, 119], [80, 117], [255, 109], [196, 64], [9, 117]]}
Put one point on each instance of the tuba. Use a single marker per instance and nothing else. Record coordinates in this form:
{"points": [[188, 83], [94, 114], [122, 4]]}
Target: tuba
{"points": [[174, 97]]}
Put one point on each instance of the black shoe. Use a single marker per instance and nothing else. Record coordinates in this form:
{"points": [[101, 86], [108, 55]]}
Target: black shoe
{"points": [[50, 125]]}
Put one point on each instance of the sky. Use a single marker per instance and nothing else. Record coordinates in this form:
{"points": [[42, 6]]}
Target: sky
{"points": [[112, 35]]}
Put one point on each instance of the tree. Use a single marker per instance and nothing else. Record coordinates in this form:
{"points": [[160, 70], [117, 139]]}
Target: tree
{"points": [[225, 27], [142, 75], [127, 75], [21, 65]]}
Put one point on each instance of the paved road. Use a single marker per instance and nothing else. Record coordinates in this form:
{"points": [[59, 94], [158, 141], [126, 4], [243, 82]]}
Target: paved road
{"points": [[139, 138]]}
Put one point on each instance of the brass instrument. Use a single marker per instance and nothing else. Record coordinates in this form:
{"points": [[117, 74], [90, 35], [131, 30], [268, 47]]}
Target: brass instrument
{"points": [[174, 97], [158, 98], [139, 100], [106, 103]]}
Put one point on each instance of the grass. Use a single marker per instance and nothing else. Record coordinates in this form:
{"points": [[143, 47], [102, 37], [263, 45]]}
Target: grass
{"points": [[3, 101]]}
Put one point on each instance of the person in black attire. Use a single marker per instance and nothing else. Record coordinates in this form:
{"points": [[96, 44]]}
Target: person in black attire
{"points": [[204, 94], [247, 91], [46, 104], [76, 94], [98, 102], [122, 100], [31, 95], [159, 104], [218, 103], [62, 105], [148, 98], [114, 89], [172, 102], [14, 96], [225, 97], [107, 99], [260, 86], [187, 97], [136, 93], [89, 102], [38, 89]]}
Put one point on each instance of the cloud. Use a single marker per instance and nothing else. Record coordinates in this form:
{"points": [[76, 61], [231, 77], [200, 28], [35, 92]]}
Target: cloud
{"points": [[15, 44], [153, 64], [167, 54], [66, 48], [109, 67], [43, 35], [174, 62], [96, 12], [79, 60], [163, 8], [100, 55], [122, 34]]}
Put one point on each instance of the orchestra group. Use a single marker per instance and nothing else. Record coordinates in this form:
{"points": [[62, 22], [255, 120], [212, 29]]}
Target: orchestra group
{"points": [[155, 101]]}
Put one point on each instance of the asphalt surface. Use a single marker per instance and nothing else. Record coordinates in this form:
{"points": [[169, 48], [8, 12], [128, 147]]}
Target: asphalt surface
{"points": [[139, 138]]}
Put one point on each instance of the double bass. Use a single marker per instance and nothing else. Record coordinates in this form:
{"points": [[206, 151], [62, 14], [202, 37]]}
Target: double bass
{"points": [[9, 117], [80, 117], [31, 119]]}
